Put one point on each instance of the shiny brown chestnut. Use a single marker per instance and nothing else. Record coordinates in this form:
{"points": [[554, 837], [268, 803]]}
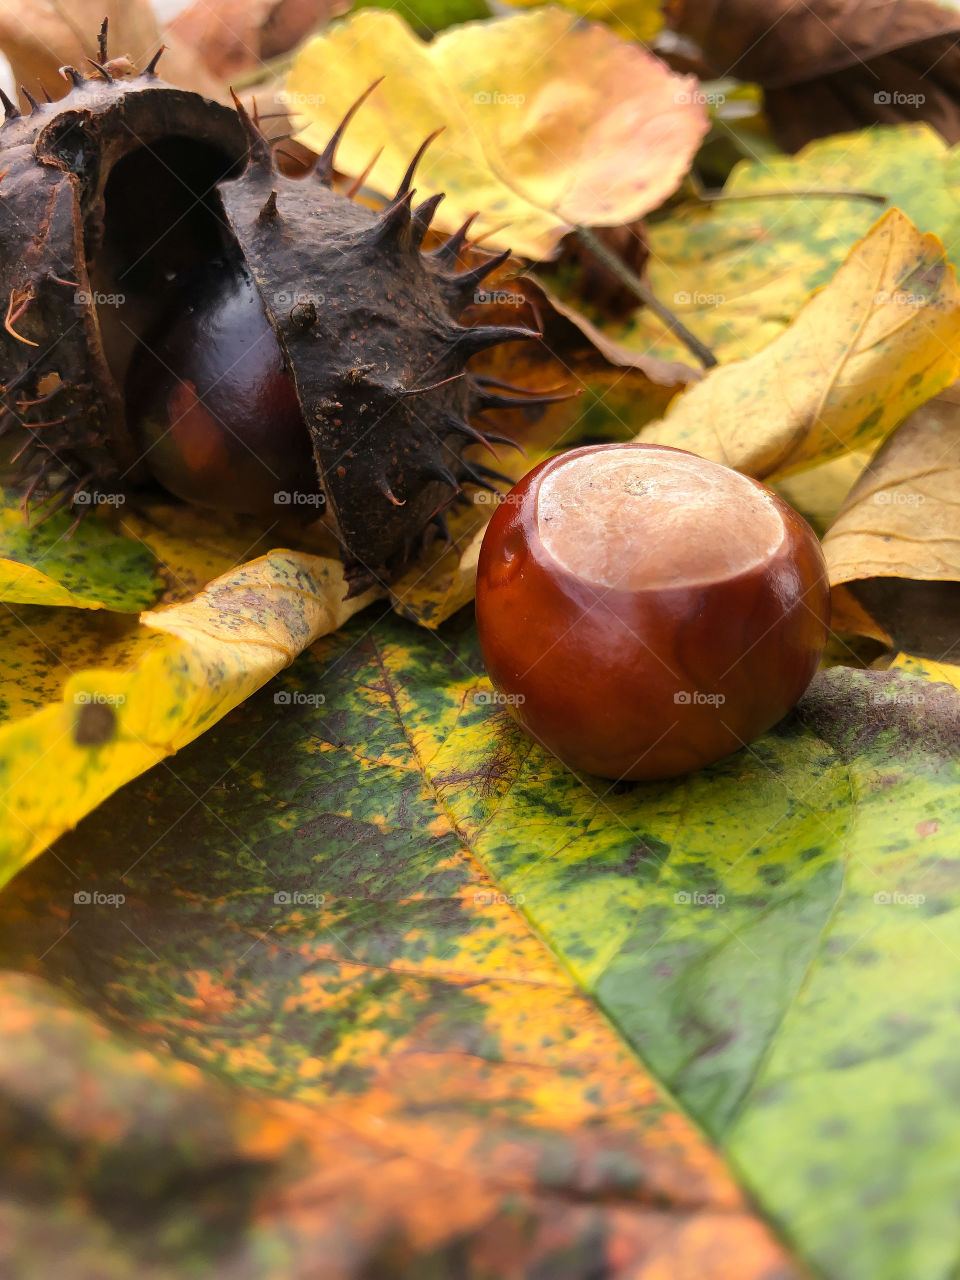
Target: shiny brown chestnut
{"points": [[645, 612], [211, 404]]}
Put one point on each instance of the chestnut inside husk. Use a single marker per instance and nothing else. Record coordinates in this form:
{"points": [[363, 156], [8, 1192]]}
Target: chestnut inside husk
{"points": [[181, 309]]}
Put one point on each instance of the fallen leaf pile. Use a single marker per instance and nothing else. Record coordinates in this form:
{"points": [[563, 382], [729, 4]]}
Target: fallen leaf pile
{"points": [[313, 964]]}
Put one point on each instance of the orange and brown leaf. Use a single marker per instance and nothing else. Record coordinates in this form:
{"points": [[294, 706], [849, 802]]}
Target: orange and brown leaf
{"points": [[235, 36], [366, 1055], [42, 38]]}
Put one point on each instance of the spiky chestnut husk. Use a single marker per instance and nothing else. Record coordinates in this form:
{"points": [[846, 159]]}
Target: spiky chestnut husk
{"points": [[365, 322], [377, 354], [60, 398]]}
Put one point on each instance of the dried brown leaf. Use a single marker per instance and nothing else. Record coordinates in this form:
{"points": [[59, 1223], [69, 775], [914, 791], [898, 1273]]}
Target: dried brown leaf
{"points": [[39, 39], [828, 66], [234, 36]]}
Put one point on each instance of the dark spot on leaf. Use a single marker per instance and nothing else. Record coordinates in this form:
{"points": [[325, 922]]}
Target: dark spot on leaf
{"points": [[95, 724], [808, 855], [871, 420]]}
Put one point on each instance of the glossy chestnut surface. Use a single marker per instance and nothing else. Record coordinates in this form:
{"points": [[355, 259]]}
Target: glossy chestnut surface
{"points": [[212, 405], [645, 612]]}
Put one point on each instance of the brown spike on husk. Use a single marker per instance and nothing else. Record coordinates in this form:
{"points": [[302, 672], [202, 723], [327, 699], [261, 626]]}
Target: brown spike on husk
{"points": [[407, 179], [269, 210], [325, 161], [388, 493], [448, 253], [497, 400], [481, 337], [422, 217], [466, 281], [260, 150], [393, 222]]}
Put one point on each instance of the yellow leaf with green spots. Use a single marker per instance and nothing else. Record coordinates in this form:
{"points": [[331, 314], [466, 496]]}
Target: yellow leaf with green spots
{"points": [[147, 552], [93, 567], [548, 121], [874, 344], [80, 731], [940, 672], [738, 271]]}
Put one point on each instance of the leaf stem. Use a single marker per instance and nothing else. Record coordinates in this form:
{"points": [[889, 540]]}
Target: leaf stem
{"points": [[709, 195], [632, 281]]}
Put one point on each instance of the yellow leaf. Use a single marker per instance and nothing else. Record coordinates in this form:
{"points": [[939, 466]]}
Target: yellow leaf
{"points": [[432, 592], [195, 662], [867, 350], [91, 567], [632, 19], [938, 672], [737, 270], [819, 493], [548, 121], [902, 519]]}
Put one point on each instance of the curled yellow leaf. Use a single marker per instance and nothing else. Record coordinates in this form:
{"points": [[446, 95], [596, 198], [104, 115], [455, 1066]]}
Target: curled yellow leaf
{"points": [[869, 348], [200, 660]]}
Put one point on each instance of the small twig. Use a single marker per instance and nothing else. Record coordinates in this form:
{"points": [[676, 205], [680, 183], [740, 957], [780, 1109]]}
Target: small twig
{"points": [[712, 197], [636, 286]]}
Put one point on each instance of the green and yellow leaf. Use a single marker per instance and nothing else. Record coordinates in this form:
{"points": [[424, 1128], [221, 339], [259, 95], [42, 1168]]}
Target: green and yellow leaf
{"points": [[737, 271], [340, 907]]}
